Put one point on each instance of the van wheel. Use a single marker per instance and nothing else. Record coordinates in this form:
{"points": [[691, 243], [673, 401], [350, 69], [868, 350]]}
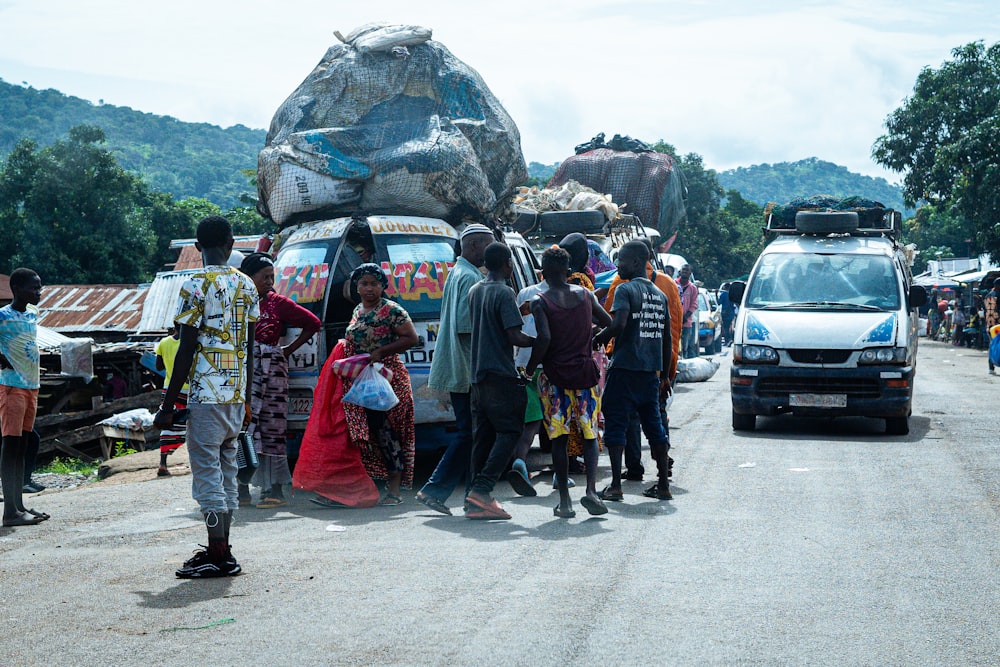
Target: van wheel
{"points": [[743, 422], [897, 426], [717, 345]]}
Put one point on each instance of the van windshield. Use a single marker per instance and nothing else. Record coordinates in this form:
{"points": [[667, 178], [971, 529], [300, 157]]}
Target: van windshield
{"points": [[417, 267], [824, 281]]}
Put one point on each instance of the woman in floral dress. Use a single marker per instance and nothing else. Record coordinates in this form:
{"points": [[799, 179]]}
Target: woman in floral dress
{"points": [[383, 329]]}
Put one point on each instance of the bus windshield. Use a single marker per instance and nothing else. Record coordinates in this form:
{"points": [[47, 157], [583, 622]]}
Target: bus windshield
{"points": [[417, 267]]}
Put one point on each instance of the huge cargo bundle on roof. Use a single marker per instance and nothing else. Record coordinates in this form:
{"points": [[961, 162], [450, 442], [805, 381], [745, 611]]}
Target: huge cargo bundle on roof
{"points": [[649, 184], [390, 122]]}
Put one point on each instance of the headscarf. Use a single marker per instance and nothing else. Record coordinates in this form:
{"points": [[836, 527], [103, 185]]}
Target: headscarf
{"points": [[368, 269], [254, 262], [579, 253], [599, 260]]}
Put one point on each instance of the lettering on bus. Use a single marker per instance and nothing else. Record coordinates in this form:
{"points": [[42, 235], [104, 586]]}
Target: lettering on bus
{"points": [[303, 284], [379, 226], [409, 281], [416, 355]]}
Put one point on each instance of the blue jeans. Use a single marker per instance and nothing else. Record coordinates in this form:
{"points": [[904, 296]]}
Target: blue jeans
{"points": [[633, 440], [627, 392], [689, 342], [457, 459]]}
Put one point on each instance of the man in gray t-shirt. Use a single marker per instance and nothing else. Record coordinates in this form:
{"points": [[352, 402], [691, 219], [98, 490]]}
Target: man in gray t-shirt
{"points": [[498, 398], [641, 329]]}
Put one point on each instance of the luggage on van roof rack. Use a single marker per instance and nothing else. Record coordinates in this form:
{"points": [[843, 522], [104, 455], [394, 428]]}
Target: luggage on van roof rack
{"points": [[822, 214]]}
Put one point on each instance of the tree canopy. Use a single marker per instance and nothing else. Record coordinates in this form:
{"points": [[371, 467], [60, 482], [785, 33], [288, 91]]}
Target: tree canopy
{"points": [[73, 214], [943, 138]]}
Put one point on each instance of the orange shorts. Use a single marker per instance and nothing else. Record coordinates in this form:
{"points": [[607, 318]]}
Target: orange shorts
{"points": [[17, 410]]}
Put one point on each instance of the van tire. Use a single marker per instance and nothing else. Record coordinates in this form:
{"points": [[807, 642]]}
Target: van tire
{"points": [[717, 345], [742, 422], [561, 223], [897, 426]]}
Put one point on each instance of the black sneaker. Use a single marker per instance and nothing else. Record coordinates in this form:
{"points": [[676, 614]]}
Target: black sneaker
{"points": [[201, 566]]}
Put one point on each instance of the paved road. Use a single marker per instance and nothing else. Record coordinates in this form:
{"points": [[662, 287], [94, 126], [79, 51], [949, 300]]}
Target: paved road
{"points": [[805, 542]]}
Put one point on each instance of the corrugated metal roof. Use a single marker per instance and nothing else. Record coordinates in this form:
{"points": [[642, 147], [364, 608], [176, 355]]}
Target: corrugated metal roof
{"points": [[91, 308], [161, 300], [190, 258]]}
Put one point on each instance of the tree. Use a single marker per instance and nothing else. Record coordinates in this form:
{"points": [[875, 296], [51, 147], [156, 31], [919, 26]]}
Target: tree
{"points": [[72, 213], [943, 138], [720, 242], [936, 230]]}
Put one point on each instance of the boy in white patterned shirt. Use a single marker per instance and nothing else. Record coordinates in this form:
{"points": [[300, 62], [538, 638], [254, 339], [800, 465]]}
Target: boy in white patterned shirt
{"points": [[216, 314]]}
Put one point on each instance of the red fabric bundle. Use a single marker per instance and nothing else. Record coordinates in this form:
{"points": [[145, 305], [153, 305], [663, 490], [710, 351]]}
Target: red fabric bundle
{"points": [[328, 463]]}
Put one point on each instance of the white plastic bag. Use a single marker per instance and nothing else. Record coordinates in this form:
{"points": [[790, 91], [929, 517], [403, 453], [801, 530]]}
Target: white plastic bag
{"points": [[372, 391]]}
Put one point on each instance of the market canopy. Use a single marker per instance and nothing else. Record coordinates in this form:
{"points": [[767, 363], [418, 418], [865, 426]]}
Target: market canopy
{"points": [[928, 280]]}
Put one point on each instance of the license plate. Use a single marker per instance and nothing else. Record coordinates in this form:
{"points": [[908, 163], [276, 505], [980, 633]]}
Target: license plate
{"points": [[301, 405], [817, 400]]}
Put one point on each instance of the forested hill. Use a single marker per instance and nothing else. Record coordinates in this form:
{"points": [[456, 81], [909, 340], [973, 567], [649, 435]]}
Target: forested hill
{"points": [[784, 181], [184, 159]]}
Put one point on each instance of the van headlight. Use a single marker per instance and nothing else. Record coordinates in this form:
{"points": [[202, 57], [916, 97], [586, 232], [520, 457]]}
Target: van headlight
{"points": [[755, 354], [883, 355]]}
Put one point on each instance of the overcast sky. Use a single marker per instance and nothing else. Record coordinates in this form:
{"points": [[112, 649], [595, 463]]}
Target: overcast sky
{"points": [[740, 82]]}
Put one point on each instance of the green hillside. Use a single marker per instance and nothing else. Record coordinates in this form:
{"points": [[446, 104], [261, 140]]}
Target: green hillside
{"points": [[784, 181], [183, 159]]}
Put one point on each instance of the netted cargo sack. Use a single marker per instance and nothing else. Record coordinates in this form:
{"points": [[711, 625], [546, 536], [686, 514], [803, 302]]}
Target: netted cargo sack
{"points": [[390, 123], [649, 183]]}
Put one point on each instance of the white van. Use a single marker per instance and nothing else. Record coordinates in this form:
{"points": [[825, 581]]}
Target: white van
{"points": [[315, 260], [827, 324]]}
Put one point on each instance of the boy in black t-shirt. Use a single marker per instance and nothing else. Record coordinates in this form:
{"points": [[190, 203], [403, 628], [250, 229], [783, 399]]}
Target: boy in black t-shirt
{"points": [[498, 397], [641, 329]]}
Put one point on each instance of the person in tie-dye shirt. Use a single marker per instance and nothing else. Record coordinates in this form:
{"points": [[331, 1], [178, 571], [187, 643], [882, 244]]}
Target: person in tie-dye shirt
{"points": [[20, 375]]}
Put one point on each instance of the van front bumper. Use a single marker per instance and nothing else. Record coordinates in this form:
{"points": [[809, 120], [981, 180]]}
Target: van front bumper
{"points": [[865, 391]]}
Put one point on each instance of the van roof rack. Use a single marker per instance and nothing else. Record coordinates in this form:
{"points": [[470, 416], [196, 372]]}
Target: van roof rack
{"points": [[814, 222]]}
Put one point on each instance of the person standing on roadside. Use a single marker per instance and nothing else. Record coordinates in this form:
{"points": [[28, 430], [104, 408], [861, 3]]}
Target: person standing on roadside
{"points": [[689, 303], [634, 470], [171, 438], [569, 381], [498, 395], [20, 380], [451, 366], [991, 314], [638, 375], [216, 315]]}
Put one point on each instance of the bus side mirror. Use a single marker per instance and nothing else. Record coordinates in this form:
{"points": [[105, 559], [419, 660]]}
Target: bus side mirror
{"points": [[736, 290], [917, 297]]}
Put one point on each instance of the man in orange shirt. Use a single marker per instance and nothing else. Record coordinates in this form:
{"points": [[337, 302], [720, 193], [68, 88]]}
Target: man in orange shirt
{"points": [[634, 469]]}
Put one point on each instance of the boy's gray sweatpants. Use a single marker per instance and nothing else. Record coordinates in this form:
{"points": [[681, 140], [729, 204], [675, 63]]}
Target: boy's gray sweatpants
{"points": [[211, 439]]}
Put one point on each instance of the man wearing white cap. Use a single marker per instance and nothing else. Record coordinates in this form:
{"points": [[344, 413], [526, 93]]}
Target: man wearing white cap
{"points": [[451, 368]]}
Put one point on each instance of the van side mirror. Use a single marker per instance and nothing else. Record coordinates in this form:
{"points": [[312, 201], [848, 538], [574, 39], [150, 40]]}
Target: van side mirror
{"points": [[917, 297], [736, 290]]}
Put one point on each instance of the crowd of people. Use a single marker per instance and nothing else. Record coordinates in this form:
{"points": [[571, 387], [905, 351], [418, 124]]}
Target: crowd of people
{"points": [[951, 319], [514, 365]]}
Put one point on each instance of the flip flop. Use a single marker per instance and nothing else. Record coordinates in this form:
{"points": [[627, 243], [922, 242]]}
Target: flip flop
{"points": [[521, 486], [24, 519], [390, 500], [563, 514], [163, 472], [323, 501], [594, 506], [607, 493], [486, 514], [491, 510], [655, 492], [433, 503], [271, 503], [41, 515]]}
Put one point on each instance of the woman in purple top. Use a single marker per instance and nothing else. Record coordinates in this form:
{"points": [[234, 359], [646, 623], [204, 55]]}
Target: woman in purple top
{"points": [[269, 393]]}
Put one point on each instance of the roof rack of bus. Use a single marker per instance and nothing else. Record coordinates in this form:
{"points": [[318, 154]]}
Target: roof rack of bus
{"points": [[867, 222]]}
